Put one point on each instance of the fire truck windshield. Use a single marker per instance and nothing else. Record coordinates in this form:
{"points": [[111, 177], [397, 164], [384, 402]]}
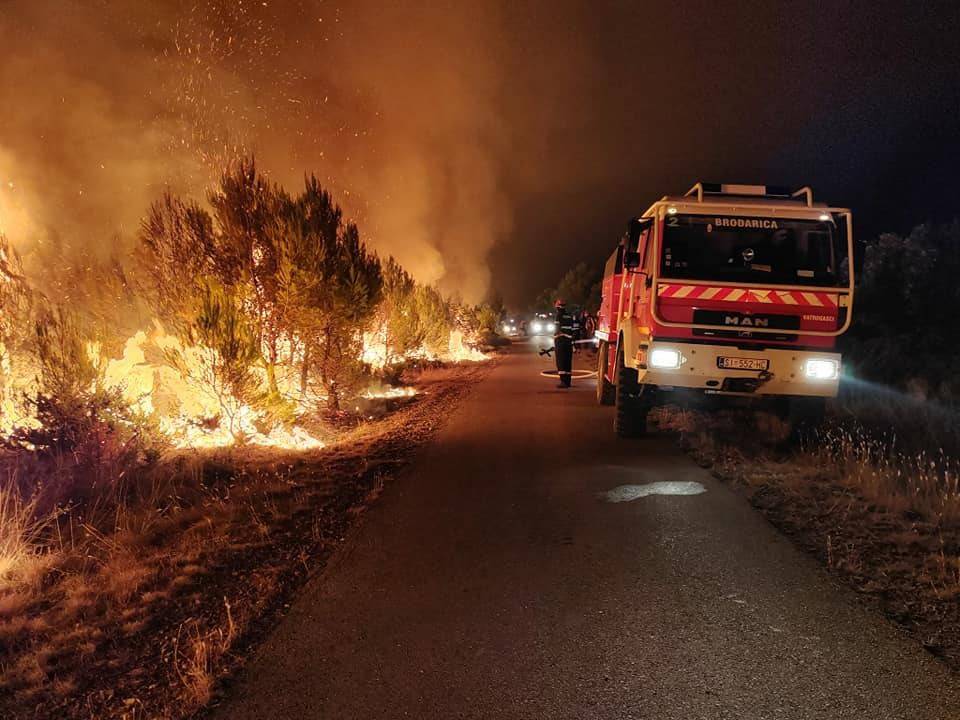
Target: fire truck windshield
{"points": [[753, 249]]}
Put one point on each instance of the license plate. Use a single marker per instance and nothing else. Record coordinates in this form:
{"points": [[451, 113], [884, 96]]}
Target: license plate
{"points": [[735, 363]]}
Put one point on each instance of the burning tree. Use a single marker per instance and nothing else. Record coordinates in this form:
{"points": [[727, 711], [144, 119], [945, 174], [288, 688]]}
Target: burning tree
{"points": [[331, 288], [398, 319], [411, 317], [296, 286], [15, 307], [237, 318], [435, 315]]}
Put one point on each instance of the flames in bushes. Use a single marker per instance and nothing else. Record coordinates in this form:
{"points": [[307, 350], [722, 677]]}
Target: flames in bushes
{"points": [[256, 316]]}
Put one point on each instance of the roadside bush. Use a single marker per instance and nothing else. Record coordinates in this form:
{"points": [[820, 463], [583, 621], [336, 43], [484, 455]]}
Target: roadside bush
{"points": [[84, 438], [901, 351], [903, 333]]}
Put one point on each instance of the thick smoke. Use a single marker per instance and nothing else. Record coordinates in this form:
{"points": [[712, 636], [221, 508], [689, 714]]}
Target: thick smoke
{"points": [[446, 128], [428, 165], [106, 104]]}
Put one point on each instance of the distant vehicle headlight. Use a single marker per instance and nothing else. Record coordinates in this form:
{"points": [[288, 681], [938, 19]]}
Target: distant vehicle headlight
{"points": [[551, 327], [538, 327], [663, 358], [821, 369]]}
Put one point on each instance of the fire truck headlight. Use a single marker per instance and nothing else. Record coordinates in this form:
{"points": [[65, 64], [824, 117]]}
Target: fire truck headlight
{"points": [[551, 327], [662, 358], [821, 369], [538, 327]]}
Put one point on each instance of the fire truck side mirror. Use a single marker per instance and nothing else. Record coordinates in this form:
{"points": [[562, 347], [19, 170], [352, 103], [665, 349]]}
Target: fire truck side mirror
{"points": [[632, 255], [635, 229]]}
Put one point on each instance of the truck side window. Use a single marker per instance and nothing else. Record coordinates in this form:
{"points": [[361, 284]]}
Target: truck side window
{"points": [[642, 249]]}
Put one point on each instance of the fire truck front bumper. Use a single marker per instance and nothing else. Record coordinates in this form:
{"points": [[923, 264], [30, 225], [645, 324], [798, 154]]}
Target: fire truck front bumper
{"points": [[727, 370]]}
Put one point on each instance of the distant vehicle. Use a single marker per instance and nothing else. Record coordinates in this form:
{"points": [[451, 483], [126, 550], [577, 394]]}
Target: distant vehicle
{"points": [[542, 324], [727, 291], [513, 327]]}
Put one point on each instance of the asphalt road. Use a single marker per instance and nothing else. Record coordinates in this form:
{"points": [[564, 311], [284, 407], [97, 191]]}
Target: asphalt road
{"points": [[496, 579]]}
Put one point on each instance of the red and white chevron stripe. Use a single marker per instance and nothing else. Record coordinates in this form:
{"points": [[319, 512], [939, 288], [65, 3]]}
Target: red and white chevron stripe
{"points": [[741, 295]]}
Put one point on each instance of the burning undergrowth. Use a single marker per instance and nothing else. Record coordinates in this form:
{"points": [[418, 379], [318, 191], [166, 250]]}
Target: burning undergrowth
{"points": [[147, 597], [256, 325], [241, 323]]}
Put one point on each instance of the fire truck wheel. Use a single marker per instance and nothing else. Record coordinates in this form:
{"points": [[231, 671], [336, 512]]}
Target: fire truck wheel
{"points": [[606, 390], [630, 419], [805, 416]]}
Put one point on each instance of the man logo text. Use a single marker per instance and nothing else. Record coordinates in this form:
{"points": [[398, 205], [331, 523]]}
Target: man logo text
{"points": [[746, 321]]}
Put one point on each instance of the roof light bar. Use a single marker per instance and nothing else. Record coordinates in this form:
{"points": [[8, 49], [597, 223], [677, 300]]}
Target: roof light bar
{"points": [[702, 188]]}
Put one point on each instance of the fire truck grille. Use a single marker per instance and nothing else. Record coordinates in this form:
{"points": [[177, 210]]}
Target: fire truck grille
{"points": [[741, 325]]}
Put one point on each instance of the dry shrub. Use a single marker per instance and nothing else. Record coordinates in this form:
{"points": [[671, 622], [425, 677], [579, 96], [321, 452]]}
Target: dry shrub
{"points": [[85, 445], [123, 575], [21, 528], [14, 603], [929, 481], [772, 427], [197, 654], [868, 457], [917, 420], [194, 659]]}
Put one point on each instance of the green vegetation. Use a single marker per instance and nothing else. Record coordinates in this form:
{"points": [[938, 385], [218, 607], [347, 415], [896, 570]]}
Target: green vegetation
{"points": [[904, 331], [579, 287]]}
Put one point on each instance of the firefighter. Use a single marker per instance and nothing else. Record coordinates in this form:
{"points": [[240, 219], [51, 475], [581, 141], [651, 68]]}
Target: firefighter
{"points": [[563, 343]]}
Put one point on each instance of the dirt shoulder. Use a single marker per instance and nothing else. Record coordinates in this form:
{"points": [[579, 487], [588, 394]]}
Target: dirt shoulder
{"points": [[154, 622], [890, 531]]}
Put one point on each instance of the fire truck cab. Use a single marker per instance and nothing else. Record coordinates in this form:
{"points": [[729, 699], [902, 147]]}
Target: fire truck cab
{"points": [[733, 291]]}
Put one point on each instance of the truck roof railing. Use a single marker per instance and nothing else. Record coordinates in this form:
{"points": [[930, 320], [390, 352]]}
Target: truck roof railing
{"points": [[772, 191]]}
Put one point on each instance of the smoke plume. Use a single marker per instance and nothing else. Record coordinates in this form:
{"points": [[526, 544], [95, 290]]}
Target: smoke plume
{"points": [[395, 108]]}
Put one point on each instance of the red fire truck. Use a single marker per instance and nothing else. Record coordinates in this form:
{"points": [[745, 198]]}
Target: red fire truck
{"points": [[728, 291]]}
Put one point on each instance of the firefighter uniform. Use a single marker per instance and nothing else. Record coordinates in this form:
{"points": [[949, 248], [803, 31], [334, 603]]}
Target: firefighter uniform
{"points": [[563, 344]]}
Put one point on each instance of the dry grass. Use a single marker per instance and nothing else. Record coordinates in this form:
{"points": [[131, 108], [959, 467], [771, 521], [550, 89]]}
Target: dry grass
{"points": [[72, 575], [21, 528], [197, 654], [122, 575], [129, 600], [910, 420], [885, 520]]}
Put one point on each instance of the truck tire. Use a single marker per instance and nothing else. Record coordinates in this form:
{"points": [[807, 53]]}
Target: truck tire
{"points": [[805, 416], [630, 419], [606, 390]]}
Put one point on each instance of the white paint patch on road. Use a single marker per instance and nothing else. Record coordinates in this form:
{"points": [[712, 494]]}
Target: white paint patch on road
{"points": [[626, 493]]}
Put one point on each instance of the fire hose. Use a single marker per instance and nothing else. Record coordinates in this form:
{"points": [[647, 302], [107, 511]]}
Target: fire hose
{"points": [[574, 374], [547, 351]]}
